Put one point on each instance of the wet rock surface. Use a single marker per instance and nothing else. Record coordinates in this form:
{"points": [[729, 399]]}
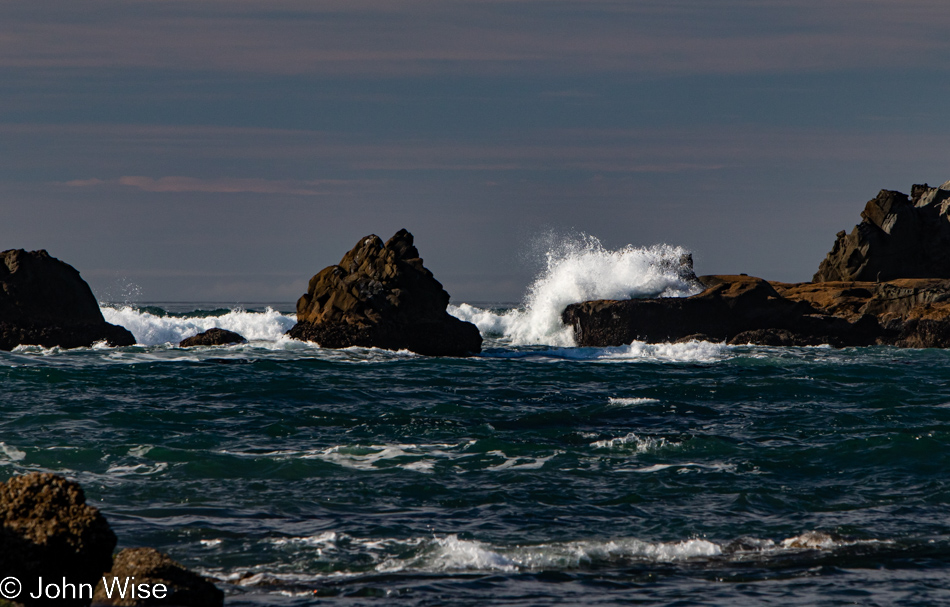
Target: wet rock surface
{"points": [[213, 337], [44, 301], [380, 295]]}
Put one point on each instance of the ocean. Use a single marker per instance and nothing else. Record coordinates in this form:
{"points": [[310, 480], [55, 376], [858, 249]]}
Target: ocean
{"points": [[537, 473]]}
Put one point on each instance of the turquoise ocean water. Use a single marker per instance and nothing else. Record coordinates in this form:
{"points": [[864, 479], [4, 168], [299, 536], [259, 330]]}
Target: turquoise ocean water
{"points": [[534, 474]]}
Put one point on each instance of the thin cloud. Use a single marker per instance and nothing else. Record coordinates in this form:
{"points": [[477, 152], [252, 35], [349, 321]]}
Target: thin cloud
{"points": [[177, 184], [354, 163], [395, 38]]}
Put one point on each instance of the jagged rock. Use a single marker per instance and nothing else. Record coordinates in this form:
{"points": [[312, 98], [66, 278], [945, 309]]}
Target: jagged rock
{"points": [[213, 337], [180, 586], [44, 301], [898, 237], [380, 295], [48, 530]]}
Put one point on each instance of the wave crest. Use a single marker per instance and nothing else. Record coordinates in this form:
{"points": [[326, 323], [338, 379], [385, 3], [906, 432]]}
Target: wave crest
{"points": [[582, 269]]}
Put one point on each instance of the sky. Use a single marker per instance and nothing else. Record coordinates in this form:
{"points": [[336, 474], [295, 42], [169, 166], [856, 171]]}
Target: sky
{"points": [[227, 150]]}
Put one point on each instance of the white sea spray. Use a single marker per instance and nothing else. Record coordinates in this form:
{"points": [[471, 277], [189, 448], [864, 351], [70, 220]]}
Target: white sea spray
{"points": [[582, 269], [151, 329]]}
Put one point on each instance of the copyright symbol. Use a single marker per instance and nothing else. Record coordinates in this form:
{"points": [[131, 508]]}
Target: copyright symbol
{"points": [[10, 588]]}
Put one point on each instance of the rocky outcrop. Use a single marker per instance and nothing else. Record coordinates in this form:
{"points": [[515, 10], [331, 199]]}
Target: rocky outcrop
{"points": [[213, 337], [738, 309], [899, 236], [912, 313], [48, 530], [741, 309], [380, 295], [179, 586], [44, 301]]}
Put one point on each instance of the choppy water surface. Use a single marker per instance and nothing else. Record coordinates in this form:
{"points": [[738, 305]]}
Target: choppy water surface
{"points": [[535, 474], [530, 475]]}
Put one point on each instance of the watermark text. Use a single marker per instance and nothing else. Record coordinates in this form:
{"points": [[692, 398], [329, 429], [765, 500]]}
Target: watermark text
{"points": [[114, 587]]}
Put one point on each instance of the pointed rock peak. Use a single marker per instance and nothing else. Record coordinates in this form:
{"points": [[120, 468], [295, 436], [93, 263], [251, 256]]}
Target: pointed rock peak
{"points": [[401, 245], [382, 296]]}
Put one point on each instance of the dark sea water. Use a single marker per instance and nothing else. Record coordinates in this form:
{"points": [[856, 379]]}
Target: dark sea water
{"points": [[687, 474]]}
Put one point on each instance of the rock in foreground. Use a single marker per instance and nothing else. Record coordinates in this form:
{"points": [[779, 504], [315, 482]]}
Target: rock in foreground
{"points": [[180, 587], [898, 237], [44, 301], [213, 337], [48, 530], [380, 295], [744, 309]]}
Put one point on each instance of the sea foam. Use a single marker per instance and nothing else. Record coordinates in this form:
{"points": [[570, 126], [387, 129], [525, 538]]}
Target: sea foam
{"points": [[582, 269], [151, 329]]}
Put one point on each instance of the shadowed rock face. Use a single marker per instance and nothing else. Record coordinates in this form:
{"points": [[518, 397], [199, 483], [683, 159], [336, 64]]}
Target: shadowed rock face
{"points": [[45, 302], [741, 309], [213, 337], [48, 530], [898, 237], [380, 295], [149, 566]]}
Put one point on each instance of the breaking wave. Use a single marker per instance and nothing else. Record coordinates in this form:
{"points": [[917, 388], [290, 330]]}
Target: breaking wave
{"points": [[153, 327], [339, 554], [579, 270]]}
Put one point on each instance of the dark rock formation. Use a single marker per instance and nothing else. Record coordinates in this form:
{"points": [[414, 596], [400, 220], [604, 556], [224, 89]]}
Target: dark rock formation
{"points": [[48, 530], [183, 588], [382, 296], [738, 309], [213, 337], [45, 302], [898, 237], [912, 313]]}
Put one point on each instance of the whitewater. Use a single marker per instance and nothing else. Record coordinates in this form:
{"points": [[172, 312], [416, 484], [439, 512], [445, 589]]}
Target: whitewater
{"points": [[575, 270], [536, 473]]}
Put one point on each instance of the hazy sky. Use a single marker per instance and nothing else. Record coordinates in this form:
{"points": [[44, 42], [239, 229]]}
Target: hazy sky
{"points": [[229, 149]]}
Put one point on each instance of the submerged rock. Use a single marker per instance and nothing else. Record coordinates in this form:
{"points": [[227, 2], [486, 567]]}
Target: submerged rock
{"points": [[48, 530], [179, 586], [380, 295], [898, 237], [44, 301], [213, 337]]}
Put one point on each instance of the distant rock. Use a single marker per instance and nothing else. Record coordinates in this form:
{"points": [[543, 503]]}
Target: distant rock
{"points": [[380, 295], [48, 530], [912, 313], [44, 301], [898, 237], [213, 337], [738, 309], [180, 587]]}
